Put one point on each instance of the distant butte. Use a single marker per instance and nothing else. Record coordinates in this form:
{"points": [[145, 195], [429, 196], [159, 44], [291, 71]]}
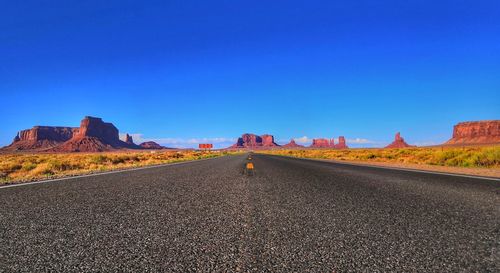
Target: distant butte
{"points": [[93, 135], [255, 141], [151, 145], [292, 144], [329, 143], [252, 141], [398, 142]]}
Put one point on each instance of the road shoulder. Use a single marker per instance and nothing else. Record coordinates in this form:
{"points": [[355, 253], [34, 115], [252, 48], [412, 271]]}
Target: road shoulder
{"points": [[493, 174]]}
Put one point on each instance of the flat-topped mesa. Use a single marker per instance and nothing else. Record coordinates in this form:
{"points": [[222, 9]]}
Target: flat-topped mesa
{"points": [[95, 127], [151, 145], [398, 142], [47, 133], [292, 144], [255, 141], [94, 135], [249, 140], [320, 143], [476, 132], [329, 143], [268, 141], [41, 138]]}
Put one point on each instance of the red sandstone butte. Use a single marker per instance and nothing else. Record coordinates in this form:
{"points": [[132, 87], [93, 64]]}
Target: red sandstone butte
{"points": [[341, 145], [325, 143], [320, 143], [398, 142], [151, 145], [292, 144], [268, 141], [40, 138], [476, 132], [255, 141], [94, 135]]}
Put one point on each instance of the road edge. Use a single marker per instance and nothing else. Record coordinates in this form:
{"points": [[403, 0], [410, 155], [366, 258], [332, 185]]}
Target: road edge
{"points": [[104, 173], [390, 168]]}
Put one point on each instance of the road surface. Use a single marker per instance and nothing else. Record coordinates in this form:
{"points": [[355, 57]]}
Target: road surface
{"points": [[292, 215]]}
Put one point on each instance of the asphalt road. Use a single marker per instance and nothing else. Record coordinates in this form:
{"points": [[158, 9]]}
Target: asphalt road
{"points": [[292, 215]]}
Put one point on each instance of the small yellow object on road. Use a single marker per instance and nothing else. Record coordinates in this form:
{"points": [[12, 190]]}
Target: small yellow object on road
{"points": [[249, 166]]}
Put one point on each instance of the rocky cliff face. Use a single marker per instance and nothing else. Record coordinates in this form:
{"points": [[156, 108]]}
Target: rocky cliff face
{"points": [[329, 143], [398, 142], [320, 143], [41, 137], [94, 135], [476, 132], [60, 134], [268, 141], [95, 127], [255, 141], [292, 144]]}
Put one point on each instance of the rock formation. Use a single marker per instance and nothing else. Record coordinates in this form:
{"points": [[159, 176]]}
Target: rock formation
{"points": [[342, 144], [398, 142], [255, 141], [151, 145], [292, 144], [320, 143], [476, 132], [268, 141], [94, 135], [129, 140], [41, 138], [95, 127], [325, 143]]}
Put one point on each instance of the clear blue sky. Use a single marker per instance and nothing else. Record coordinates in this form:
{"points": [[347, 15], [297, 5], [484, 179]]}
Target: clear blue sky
{"points": [[179, 71]]}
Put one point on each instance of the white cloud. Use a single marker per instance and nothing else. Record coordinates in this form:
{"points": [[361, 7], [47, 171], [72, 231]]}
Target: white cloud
{"points": [[359, 141], [303, 140]]}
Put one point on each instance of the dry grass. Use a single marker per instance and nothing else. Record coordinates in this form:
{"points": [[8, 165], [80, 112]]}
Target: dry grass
{"points": [[474, 157], [30, 167]]}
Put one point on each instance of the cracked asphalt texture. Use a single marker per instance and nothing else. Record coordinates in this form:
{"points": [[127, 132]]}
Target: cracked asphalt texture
{"points": [[292, 215]]}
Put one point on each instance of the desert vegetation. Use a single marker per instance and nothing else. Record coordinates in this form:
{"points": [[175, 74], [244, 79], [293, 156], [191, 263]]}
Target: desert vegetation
{"points": [[29, 167], [483, 157]]}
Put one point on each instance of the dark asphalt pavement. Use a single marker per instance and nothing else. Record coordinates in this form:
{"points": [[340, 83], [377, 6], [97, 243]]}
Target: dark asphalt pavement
{"points": [[292, 215]]}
